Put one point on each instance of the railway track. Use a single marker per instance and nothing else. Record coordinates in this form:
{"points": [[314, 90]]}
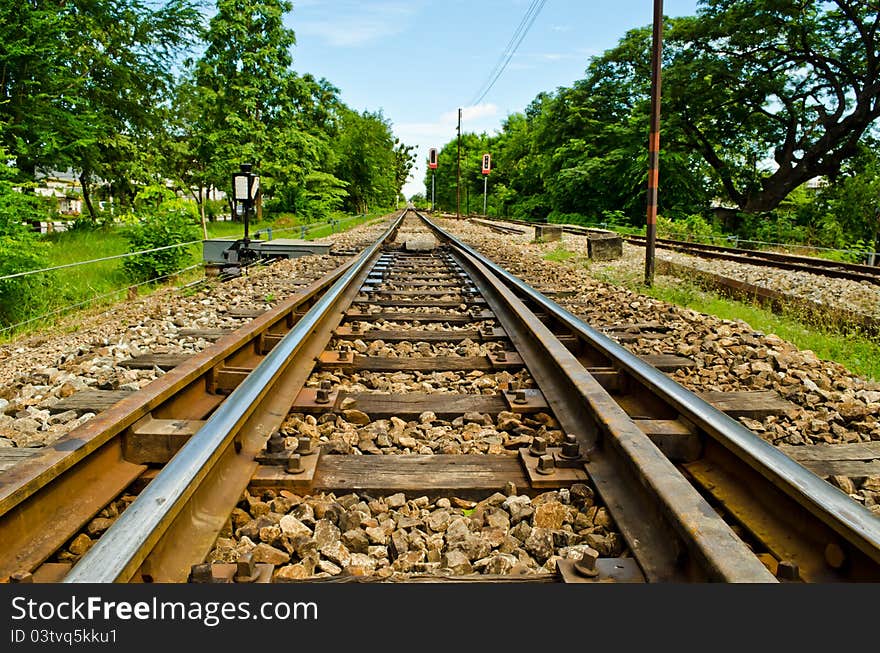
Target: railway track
{"points": [[420, 414], [813, 265], [810, 264]]}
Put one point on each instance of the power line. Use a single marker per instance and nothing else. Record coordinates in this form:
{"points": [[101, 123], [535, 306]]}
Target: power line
{"points": [[511, 47]]}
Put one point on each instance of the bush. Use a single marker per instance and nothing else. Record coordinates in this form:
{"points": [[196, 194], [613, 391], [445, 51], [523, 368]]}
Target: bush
{"points": [[692, 228], [20, 251], [171, 224]]}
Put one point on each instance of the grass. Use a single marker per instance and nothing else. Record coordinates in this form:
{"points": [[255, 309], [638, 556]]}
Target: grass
{"points": [[559, 254], [105, 282], [857, 352]]}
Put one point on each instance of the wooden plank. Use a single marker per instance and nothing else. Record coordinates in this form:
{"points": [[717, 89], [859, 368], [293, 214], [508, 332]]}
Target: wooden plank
{"points": [[413, 404], [851, 468], [825, 452], [633, 337], [207, 334], [451, 318], [855, 459], [675, 438], [155, 441], [149, 361], [419, 335], [245, 313], [408, 335], [90, 401], [436, 303], [436, 475], [328, 360], [639, 326], [376, 284], [754, 404], [425, 292], [668, 362], [11, 456]]}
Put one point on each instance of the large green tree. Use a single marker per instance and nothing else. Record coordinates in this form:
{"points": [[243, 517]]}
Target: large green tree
{"points": [[84, 81], [773, 93]]}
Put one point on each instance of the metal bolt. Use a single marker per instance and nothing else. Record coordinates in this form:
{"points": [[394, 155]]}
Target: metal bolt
{"points": [[519, 397], [342, 353], [304, 445], [275, 443], [355, 327], [201, 573], [588, 564], [546, 464], [322, 397], [21, 577], [787, 570], [245, 569], [538, 446], [501, 355], [570, 448], [294, 464]]}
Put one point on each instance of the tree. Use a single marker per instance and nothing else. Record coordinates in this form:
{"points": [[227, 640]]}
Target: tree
{"points": [[244, 80], [84, 80], [367, 160], [773, 93]]}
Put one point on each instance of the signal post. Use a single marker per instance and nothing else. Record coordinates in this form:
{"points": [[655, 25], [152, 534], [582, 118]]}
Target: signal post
{"points": [[432, 164], [486, 169]]}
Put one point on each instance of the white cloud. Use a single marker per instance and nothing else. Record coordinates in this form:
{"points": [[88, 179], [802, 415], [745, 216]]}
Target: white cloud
{"points": [[355, 23], [425, 135]]}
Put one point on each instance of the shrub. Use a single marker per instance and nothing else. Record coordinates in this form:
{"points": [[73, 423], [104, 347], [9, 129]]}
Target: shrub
{"points": [[692, 228], [171, 224], [20, 251]]}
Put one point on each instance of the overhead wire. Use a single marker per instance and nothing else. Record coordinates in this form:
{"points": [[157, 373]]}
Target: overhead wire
{"points": [[510, 49]]}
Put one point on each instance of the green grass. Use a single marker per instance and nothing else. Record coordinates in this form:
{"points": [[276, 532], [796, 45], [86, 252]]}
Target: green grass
{"points": [[559, 254], [857, 352], [103, 283]]}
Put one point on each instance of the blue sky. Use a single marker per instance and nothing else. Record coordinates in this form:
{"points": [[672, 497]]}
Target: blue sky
{"points": [[420, 60]]}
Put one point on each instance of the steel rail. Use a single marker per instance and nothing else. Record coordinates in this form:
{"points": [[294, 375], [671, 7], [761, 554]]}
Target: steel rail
{"points": [[833, 269], [811, 264], [811, 261], [124, 547], [856, 524], [687, 521], [48, 497]]}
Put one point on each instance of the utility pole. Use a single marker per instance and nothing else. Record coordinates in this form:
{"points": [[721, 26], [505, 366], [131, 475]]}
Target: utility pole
{"points": [[654, 144], [458, 174]]}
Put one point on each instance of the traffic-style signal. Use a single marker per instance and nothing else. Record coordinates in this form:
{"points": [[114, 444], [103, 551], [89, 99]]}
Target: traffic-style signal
{"points": [[487, 164], [432, 158]]}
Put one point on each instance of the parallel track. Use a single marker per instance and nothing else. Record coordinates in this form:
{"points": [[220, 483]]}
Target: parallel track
{"points": [[695, 495]]}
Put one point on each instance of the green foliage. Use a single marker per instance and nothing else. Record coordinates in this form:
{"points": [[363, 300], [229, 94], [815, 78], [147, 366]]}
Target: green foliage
{"points": [[171, 224], [20, 251], [778, 227], [84, 83], [692, 228]]}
